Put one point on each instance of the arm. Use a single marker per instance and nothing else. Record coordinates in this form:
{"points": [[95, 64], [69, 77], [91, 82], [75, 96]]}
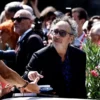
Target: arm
{"points": [[3, 80], [24, 1], [15, 79], [8, 55], [34, 4]]}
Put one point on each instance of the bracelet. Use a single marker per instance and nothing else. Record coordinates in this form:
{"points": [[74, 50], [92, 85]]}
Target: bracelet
{"points": [[24, 85]]}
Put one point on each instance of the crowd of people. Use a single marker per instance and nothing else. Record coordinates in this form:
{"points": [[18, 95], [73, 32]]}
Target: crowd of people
{"points": [[40, 48]]}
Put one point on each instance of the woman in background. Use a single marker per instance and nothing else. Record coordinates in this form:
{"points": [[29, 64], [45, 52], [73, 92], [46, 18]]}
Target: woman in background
{"points": [[7, 35]]}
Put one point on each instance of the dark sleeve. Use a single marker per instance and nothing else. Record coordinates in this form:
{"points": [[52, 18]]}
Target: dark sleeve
{"points": [[33, 65], [7, 55]]}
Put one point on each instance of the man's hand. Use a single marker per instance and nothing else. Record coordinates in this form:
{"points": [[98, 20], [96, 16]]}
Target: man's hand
{"points": [[32, 75], [34, 3]]}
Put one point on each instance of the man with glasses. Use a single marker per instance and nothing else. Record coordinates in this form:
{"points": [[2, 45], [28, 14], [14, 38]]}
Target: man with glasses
{"points": [[62, 65], [28, 41]]}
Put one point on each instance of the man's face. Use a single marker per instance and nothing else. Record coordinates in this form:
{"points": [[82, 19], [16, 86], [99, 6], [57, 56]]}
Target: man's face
{"points": [[21, 23], [61, 34], [75, 17]]}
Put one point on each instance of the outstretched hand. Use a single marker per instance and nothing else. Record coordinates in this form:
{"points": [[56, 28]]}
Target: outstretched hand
{"points": [[31, 87], [32, 75]]}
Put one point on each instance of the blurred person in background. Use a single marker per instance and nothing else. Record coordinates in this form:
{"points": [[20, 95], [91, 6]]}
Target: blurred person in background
{"points": [[8, 36], [80, 16], [95, 33], [47, 15], [11, 8], [91, 21]]}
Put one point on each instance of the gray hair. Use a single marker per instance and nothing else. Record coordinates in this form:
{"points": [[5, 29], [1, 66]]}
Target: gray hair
{"points": [[70, 21], [25, 13], [13, 6], [27, 7], [95, 28]]}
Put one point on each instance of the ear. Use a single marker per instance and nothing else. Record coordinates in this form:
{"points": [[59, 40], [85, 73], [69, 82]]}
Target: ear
{"points": [[71, 39]]}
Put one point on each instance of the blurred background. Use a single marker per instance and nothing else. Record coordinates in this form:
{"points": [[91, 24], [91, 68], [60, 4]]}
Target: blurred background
{"points": [[92, 6]]}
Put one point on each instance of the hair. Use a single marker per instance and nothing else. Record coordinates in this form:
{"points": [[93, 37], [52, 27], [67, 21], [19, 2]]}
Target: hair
{"points": [[13, 6], [96, 28], [91, 21], [70, 21], [2, 17], [46, 10], [8, 26], [29, 8], [25, 13], [82, 13], [95, 17]]}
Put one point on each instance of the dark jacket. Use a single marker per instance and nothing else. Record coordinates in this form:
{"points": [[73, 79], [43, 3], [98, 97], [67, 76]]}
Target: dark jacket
{"points": [[49, 63], [26, 47]]}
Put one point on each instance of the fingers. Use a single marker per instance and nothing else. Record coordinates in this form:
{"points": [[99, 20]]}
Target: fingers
{"points": [[39, 75], [32, 75], [33, 87], [36, 80]]}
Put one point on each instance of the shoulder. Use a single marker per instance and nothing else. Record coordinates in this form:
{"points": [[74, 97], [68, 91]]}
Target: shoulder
{"points": [[35, 36], [76, 50]]}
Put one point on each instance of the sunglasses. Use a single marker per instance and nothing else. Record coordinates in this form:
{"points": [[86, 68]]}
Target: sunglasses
{"points": [[62, 33], [19, 19]]}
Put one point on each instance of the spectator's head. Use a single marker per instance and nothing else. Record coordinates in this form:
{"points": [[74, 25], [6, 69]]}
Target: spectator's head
{"points": [[7, 34], [92, 20], [11, 8], [46, 10], [79, 15], [63, 31], [95, 33], [23, 20], [47, 16], [95, 18]]}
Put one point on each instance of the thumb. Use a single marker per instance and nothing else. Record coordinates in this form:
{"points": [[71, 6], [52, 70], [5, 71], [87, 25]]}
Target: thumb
{"points": [[36, 80]]}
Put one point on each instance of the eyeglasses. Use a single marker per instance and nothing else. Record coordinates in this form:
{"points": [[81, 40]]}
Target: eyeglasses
{"points": [[62, 33], [19, 19]]}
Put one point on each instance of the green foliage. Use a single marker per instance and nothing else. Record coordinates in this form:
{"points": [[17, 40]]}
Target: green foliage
{"points": [[92, 70]]}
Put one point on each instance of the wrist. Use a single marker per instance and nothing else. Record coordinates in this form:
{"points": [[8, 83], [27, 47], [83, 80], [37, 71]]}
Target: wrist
{"points": [[25, 85]]}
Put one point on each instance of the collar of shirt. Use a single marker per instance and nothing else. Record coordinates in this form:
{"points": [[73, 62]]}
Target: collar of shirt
{"points": [[79, 40], [23, 35]]}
